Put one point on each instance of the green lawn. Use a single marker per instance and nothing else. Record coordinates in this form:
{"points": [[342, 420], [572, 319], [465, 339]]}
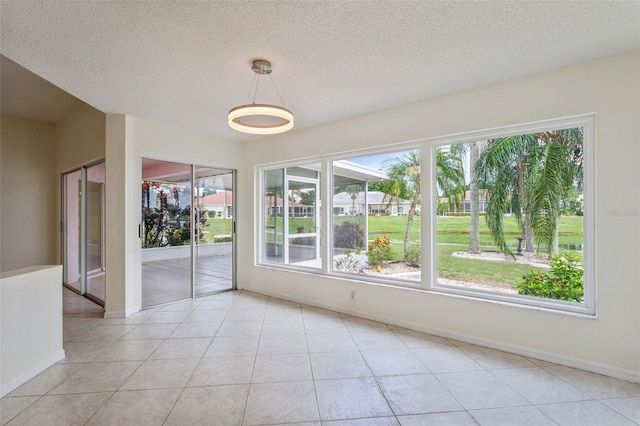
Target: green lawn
{"points": [[217, 227], [450, 229], [480, 271], [452, 236]]}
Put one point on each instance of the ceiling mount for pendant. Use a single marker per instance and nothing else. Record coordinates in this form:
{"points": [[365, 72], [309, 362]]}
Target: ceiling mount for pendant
{"points": [[261, 119], [262, 67]]}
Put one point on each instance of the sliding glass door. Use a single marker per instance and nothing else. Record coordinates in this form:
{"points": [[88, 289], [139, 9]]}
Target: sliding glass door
{"points": [[83, 231], [186, 231], [94, 232], [71, 194], [166, 236], [213, 254]]}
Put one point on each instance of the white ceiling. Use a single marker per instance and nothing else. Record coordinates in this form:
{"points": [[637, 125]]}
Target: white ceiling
{"points": [[188, 63]]}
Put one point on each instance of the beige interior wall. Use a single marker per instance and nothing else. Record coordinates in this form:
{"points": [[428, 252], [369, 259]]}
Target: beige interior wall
{"points": [[28, 185], [608, 343], [81, 138], [34, 155]]}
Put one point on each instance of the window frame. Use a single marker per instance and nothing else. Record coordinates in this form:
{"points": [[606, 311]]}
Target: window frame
{"points": [[259, 254], [588, 307], [388, 149], [428, 236]]}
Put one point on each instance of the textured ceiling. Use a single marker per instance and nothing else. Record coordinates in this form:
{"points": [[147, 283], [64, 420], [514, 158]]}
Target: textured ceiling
{"points": [[188, 63]]}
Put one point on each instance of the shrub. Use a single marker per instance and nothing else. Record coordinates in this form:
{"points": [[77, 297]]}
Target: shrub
{"points": [[563, 282], [179, 236], [379, 250], [412, 257], [349, 235], [349, 261], [175, 238]]}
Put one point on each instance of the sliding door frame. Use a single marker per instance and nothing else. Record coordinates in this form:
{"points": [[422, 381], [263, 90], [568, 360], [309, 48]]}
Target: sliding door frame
{"points": [[195, 220], [82, 233]]}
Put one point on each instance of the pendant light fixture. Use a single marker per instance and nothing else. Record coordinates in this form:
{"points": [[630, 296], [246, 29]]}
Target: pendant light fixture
{"points": [[261, 119]]}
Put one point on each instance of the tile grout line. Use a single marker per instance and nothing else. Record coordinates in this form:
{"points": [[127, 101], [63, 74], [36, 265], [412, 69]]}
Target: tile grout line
{"points": [[166, 418], [313, 379], [255, 359]]}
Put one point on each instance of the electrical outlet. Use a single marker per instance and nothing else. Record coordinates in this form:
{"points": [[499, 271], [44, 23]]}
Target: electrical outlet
{"points": [[353, 295]]}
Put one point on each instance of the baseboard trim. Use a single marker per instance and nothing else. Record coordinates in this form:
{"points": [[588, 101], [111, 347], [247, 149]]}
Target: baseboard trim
{"points": [[121, 314], [582, 364], [30, 373]]}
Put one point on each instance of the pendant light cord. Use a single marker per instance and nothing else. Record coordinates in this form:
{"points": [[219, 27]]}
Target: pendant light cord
{"points": [[254, 88], [275, 87]]}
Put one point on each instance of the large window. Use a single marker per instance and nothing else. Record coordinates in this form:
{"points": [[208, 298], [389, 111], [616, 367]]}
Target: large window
{"points": [[502, 215], [376, 222], [510, 217], [291, 216]]}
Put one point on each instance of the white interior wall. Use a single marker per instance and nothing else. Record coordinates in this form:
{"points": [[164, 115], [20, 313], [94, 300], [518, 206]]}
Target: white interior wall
{"points": [[28, 185], [117, 303], [130, 139], [609, 343], [30, 324]]}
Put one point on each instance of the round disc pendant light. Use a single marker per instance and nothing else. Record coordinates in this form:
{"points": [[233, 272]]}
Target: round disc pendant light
{"points": [[260, 119]]}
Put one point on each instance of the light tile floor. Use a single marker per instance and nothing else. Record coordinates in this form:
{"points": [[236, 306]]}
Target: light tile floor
{"points": [[239, 358]]}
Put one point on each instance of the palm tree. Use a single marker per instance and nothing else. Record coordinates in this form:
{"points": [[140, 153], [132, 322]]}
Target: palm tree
{"points": [[353, 190], [474, 198], [405, 174], [530, 175], [460, 152], [500, 169], [450, 175], [559, 169]]}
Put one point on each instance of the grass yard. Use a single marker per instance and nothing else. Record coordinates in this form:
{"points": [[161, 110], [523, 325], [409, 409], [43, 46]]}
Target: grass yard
{"points": [[480, 271], [217, 227], [452, 236]]}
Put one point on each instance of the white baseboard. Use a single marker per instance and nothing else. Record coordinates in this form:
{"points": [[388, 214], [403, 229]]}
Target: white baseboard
{"points": [[582, 364], [121, 314], [30, 374], [132, 311]]}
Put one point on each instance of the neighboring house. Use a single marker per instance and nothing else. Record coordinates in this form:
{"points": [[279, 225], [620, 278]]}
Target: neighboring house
{"points": [[343, 205], [219, 205], [299, 210], [377, 203], [465, 206]]}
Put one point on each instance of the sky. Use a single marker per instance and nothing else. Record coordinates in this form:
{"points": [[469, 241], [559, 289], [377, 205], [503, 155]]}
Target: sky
{"points": [[376, 161]]}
